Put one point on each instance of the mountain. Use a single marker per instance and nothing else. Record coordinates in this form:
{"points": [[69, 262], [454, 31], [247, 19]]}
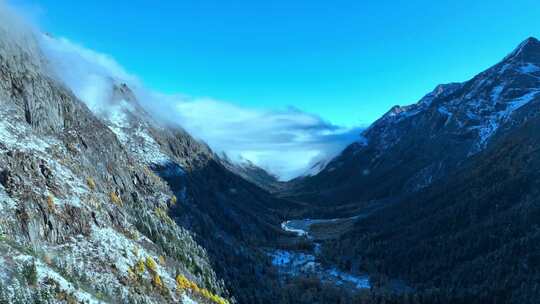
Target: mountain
{"points": [[221, 202], [82, 219], [253, 173], [117, 205], [472, 237], [456, 179], [412, 146]]}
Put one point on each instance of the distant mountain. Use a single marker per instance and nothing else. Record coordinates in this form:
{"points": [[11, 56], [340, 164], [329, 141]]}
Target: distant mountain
{"points": [[253, 173], [410, 147], [462, 173], [471, 237]]}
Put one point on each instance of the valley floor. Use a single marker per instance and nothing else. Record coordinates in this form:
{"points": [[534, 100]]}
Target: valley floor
{"points": [[306, 262]]}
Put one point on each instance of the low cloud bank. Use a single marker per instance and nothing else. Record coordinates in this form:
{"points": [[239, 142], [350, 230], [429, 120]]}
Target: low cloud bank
{"points": [[285, 142]]}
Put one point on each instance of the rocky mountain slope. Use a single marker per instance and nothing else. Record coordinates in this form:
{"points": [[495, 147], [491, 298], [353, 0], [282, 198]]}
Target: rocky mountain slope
{"points": [[82, 218], [460, 178], [411, 147], [146, 212], [220, 202]]}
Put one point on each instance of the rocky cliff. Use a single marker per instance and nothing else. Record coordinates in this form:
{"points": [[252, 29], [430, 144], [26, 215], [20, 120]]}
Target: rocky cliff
{"points": [[82, 217]]}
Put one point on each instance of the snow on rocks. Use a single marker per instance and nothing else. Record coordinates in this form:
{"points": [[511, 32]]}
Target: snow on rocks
{"points": [[132, 131], [113, 252], [187, 300], [44, 272], [490, 124], [361, 282], [529, 68], [18, 136], [292, 263]]}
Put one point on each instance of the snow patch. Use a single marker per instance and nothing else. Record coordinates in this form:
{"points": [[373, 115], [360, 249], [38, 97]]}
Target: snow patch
{"points": [[361, 282], [20, 137], [491, 125], [444, 110], [529, 68], [293, 263], [187, 300], [496, 92], [6, 202], [133, 134], [44, 272]]}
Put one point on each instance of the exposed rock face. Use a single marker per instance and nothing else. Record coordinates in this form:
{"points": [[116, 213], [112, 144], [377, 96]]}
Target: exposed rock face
{"points": [[231, 216], [411, 147], [82, 218], [113, 187]]}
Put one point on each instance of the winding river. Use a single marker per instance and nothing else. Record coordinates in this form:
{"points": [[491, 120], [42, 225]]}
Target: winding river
{"points": [[306, 263]]}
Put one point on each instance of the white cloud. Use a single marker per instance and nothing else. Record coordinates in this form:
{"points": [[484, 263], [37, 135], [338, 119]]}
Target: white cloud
{"points": [[87, 73], [285, 142]]}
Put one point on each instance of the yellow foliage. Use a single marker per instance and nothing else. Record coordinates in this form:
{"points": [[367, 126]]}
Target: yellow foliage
{"points": [[173, 200], [162, 260], [156, 281], [91, 183], [205, 293], [131, 274], [139, 267], [151, 264], [116, 199], [193, 286], [136, 251], [183, 284], [50, 202], [162, 214]]}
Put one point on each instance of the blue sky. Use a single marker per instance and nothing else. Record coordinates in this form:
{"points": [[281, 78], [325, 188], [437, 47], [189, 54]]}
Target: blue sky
{"points": [[346, 61]]}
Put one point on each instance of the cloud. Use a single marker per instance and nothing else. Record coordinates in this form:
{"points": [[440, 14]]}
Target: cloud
{"points": [[16, 33], [285, 142], [87, 73]]}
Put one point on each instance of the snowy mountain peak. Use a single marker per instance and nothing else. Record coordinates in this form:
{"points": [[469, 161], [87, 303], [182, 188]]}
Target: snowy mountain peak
{"points": [[527, 51], [457, 120]]}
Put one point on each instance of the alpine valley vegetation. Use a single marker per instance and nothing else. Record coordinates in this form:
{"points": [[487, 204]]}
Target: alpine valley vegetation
{"points": [[435, 202]]}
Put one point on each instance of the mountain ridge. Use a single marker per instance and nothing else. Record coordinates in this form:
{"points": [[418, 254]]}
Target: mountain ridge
{"points": [[454, 121]]}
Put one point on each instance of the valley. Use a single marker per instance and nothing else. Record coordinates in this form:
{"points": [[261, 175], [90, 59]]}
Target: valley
{"points": [[437, 202], [307, 262]]}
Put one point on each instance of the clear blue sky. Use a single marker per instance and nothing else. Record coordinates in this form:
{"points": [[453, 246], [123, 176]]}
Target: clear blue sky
{"points": [[347, 61]]}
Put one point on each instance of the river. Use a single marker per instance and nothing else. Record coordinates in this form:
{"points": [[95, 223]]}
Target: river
{"points": [[306, 263]]}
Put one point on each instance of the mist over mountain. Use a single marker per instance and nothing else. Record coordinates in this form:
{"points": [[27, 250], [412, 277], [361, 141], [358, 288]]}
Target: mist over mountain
{"points": [[284, 142]]}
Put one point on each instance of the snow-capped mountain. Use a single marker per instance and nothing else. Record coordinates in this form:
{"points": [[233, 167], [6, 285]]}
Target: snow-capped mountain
{"points": [[412, 146], [110, 204], [82, 218], [471, 235]]}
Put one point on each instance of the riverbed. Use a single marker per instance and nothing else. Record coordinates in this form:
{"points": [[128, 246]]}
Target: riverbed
{"points": [[306, 263]]}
